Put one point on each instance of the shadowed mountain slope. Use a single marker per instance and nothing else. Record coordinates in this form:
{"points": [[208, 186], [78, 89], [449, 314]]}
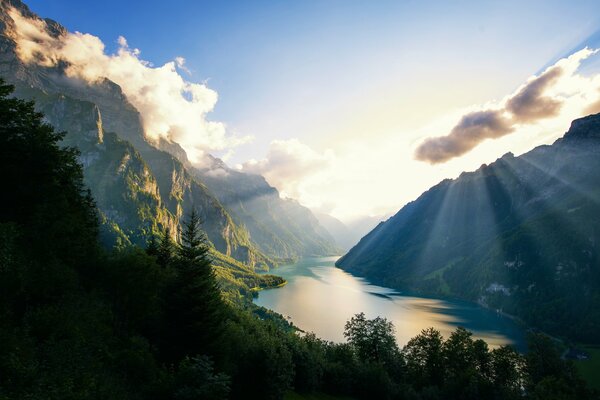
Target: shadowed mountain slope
{"points": [[520, 235]]}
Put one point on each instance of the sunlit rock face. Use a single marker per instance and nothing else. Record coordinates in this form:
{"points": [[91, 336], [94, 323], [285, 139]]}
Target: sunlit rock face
{"points": [[144, 185], [527, 225]]}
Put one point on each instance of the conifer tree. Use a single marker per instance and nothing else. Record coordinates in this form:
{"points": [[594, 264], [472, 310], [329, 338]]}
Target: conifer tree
{"points": [[165, 250], [195, 310], [152, 246], [43, 183]]}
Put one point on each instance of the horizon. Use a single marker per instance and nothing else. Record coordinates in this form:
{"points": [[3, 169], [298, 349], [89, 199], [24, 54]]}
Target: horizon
{"points": [[281, 103]]}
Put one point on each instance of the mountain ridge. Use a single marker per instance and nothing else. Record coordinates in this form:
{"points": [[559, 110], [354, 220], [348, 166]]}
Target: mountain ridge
{"points": [[516, 235], [179, 183]]}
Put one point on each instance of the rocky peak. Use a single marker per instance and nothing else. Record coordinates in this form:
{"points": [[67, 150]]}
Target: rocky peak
{"points": [[53, 28], [583, 129], [18, 5]]}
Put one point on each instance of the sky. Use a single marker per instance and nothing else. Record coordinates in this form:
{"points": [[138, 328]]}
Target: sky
{"points": [[341, 104]]}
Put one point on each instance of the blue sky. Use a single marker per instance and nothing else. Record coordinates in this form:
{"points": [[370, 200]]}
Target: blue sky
{"points": [[329, 73], [276, 62]]}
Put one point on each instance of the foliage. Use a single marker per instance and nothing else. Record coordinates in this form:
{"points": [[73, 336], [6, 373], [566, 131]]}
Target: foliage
{"points": [[196, 379], [373, 340], [79, 323], [194, 309], [590, 367]]}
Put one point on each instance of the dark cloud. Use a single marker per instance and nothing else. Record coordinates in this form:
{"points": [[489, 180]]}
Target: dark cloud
{"points": [[530, 104], [472, 129]]}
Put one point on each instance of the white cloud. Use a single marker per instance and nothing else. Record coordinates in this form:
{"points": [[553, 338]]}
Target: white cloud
{"points": [[378, 175], [541, 97], [372, 174], [288, 165], [171, 107]]}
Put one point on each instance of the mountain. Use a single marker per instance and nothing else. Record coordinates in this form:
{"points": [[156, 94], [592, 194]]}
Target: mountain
{"points": [[143, 187], [282, 228], [343, 236], [365, 224], [348, 234], [520, 235]]}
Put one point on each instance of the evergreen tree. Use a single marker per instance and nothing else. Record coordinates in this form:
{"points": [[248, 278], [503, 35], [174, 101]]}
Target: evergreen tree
{"points": [[195, 310], [152, 246], [166, 249], [43, 183]]}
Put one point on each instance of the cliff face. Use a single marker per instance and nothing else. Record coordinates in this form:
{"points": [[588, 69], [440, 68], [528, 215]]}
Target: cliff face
{"points": [[144, 186], [139, 188]]}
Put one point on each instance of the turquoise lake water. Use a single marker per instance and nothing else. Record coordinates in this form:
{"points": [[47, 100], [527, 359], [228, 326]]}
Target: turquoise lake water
{"points": [[320, 298]]}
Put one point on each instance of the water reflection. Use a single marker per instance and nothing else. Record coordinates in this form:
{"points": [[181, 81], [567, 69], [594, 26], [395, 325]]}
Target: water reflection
{"points": [[321, 298]]}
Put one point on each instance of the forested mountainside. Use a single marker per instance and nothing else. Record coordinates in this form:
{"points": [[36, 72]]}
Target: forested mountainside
{"points": [[141, 188], [520, 235]]}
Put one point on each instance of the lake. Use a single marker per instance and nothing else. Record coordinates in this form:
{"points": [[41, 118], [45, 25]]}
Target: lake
{"points": [[320, 298]]}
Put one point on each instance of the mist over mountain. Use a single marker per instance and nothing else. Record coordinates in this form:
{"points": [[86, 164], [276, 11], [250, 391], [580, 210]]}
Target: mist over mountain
{"points": [[519, 235], [142, 184], [346, 235]]}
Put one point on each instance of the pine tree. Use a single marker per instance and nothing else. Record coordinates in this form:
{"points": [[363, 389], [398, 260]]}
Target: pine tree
{"points": [[152, 246], [166, 248], [195, 310]]}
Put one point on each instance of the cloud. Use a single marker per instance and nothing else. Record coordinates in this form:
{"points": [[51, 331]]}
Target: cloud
{"points": [[171, 107], [288, 164], [594, 107], [531, 103], [470, 131]]}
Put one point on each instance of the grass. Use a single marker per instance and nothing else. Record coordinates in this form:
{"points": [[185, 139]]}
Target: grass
{"points": [[312, 396], [590, 368]]}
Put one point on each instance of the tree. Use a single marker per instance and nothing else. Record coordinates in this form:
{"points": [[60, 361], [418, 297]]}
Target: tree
{"points": [[507, 371], [373, 339], [165, 249], [543, 358], [195, 310], [197, 379], [466, 366], [152, 246], [425, 359], [547, 375], [43, 183]]}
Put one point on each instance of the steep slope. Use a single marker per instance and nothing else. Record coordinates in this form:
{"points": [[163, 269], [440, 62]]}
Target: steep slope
{"points": [[344, 236], [520, 235], [122, 185], [139, 188], [281, 228], [264, 225]]}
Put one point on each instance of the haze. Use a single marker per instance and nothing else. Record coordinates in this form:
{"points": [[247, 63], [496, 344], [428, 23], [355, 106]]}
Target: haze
{"points": [[352, 108]]}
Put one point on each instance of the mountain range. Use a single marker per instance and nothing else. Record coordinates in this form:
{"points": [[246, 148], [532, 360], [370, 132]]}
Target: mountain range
{"points": [[520, 235], [143, 187]]}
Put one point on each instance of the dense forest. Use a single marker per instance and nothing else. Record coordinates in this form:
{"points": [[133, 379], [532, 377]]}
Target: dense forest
{"points": [[78, 321]]}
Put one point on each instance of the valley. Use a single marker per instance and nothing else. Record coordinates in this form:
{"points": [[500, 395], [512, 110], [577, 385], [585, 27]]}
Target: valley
{"points": [[370, 212]]}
